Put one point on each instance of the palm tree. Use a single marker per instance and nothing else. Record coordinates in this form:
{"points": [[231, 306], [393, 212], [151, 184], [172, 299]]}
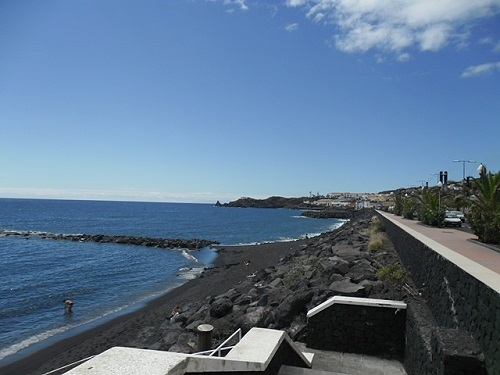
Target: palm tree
{"points": [[484, 215], [398, 203], [431, 210]]}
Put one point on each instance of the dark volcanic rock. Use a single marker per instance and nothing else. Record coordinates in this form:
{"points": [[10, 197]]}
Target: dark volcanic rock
{"points": [[347, 288], [221, 307], [163, 243], [329, 213]]}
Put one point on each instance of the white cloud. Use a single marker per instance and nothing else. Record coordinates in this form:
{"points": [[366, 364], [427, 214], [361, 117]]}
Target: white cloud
{"points": [[404, 57], [395, 25], [292, 27], [295, 3], [476, 70], [493, 42], [240, 3], [434, 38]]}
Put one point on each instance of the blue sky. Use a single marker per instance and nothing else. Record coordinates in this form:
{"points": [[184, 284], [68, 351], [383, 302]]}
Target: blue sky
{"points": [[198, 101]]}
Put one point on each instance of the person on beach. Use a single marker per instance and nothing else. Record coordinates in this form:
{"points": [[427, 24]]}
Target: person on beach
{"points": [[175, 311], [68, 306]]}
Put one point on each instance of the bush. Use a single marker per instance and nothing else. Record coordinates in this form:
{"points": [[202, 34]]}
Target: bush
{"points": [[377, 241], [409, 208], [394, 274], [484, 215], [377, 224]]}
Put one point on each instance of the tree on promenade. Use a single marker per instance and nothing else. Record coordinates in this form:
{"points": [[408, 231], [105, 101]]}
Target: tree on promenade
{"points": [[484, 213], [431, 207]]}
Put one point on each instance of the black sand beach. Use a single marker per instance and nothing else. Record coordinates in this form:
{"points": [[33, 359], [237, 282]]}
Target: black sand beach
{"points": [[229, 270]]}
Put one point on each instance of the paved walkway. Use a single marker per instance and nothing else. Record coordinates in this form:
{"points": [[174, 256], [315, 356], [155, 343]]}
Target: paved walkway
{"points": [[457, 245]]}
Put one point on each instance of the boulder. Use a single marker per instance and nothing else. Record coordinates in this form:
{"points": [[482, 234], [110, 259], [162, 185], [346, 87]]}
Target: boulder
{"points": [[220, 307], [362, 271], [347, 288]]}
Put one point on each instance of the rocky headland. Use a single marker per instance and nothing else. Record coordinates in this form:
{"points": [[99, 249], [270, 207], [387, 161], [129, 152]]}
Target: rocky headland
{"points": [[302, 203], [299, 203]]}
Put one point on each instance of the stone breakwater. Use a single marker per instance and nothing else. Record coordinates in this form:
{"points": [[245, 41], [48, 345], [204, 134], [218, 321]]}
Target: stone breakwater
{"points": [[162, 243], [278, 297]]}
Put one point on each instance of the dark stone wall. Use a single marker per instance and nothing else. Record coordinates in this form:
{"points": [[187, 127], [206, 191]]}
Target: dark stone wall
{"points": [[419, 327], [456, 300], [358, 329]]}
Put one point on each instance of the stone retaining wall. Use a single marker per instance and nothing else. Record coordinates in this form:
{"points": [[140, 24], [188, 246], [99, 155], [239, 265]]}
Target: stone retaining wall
{"points": [[355, 327], [458, 302]]}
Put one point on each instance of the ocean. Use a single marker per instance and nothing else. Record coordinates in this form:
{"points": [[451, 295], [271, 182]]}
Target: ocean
{"points": [[106, 280]]}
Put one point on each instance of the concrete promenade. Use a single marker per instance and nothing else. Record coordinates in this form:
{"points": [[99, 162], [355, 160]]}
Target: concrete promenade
{"points": [[457, 245]]}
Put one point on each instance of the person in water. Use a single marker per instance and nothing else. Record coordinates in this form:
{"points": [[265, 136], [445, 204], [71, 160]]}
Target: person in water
{"points": [[68, 305]]}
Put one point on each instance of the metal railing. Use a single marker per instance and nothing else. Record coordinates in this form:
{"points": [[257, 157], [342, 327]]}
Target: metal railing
{"points": [[208, 353], [218, 350], [71, 364]]}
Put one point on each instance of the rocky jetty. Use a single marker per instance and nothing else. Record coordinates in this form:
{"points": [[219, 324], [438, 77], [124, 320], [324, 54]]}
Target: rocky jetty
{"points": [[278, 297], [162, 243]]}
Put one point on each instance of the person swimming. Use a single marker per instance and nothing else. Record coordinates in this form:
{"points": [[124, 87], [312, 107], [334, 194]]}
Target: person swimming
{"points": [[68, 305]]}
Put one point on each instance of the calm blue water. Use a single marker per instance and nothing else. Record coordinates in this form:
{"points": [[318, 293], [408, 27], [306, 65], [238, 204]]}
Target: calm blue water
{"points": [[104, 280]]}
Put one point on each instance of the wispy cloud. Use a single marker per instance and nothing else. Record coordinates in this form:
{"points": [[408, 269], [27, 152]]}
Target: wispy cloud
{"points": [[291, 27], [493, 42], [240, 3], [396, 25], [477, 70]]}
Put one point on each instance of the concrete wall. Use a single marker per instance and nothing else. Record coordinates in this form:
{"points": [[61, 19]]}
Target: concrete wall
{"points": [[458, 302]]}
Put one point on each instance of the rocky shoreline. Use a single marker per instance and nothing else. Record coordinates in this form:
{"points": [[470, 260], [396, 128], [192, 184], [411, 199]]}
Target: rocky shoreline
{"points": [[269, 285], [278, 297], [162, 243]]}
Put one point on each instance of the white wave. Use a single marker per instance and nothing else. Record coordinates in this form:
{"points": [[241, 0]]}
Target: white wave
{"points": [[29, 341], [189, 273], [188, 256]]}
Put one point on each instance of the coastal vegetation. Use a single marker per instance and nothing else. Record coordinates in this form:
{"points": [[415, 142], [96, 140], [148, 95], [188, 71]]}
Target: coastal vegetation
{"points": [[484, 212], [478, 197], [396, 275], [377, 237]]}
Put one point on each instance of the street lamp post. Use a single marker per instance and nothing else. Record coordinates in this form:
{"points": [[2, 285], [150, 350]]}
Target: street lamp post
{"points": [[439, 185], [463, 165]]}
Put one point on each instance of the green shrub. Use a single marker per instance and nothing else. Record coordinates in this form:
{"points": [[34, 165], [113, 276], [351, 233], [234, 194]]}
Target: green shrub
{"points": [[409, 208], [377, 241], [394, 274], [377, 224]]}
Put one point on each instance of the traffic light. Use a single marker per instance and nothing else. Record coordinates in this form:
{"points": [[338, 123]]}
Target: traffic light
{"points": [[443, 177]]}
